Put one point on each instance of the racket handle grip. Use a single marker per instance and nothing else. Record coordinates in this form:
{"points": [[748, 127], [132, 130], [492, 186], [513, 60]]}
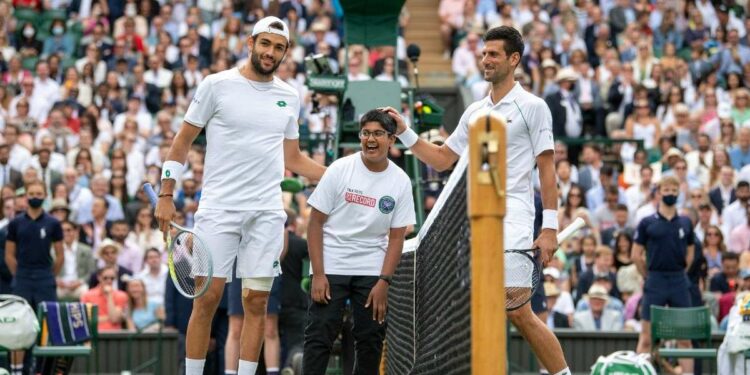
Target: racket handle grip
{"points": [[149, 190]]}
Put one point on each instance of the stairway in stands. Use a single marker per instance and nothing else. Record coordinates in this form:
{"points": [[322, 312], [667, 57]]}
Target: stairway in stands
{"points": [[424, 30]]}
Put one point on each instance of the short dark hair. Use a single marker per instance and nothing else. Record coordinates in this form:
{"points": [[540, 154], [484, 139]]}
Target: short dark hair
{"points": [[743, 184], [276, 25], [381, 117], [121, 222], [511, 36], [621, 207], [728, 255]]}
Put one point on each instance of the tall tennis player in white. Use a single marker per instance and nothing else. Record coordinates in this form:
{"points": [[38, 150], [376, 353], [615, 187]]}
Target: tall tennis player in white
{"points": [[529, 140], [250, 119]]}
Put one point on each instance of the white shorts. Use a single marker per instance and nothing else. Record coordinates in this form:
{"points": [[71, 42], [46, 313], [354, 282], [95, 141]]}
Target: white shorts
{"points": [[517, 236], [254, 238]]}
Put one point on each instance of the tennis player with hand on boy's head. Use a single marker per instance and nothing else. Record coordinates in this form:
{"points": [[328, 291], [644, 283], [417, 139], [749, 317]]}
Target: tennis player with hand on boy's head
{"points": [[250, 118], [529, 141], [360, 211]]}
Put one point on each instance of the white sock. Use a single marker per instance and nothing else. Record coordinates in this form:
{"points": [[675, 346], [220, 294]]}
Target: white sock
{"points": [[247, 368], [194, 366], [565, 371]]}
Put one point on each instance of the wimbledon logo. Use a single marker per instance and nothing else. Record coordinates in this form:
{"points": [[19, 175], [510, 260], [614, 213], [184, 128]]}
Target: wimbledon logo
{"points": [[386, 204]]}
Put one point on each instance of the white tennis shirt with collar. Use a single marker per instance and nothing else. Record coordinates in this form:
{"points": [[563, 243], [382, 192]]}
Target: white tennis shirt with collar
{"points": [[529, 133], [246, 123]]}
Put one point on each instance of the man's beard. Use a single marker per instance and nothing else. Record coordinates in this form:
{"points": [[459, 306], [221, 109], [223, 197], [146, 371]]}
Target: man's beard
{"points": [[258, 66]]}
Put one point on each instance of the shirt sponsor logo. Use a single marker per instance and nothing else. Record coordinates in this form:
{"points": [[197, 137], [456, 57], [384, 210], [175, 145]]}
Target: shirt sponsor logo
{"points": [[356, 197], [386, 204], [281, 103]]}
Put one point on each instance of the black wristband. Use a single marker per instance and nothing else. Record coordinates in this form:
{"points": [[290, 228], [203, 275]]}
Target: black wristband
{"points": [[386, 278]]}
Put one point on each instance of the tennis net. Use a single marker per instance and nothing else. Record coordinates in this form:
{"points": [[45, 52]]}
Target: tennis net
{"points": [[429, 317]]}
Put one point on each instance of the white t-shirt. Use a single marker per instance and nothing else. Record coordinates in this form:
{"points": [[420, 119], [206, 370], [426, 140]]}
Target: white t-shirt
{"points": [[529, 133], [246, 123], [362, 206]]}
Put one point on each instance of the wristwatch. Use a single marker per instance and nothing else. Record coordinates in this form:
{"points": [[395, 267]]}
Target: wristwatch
{"points": [[386, 278]]}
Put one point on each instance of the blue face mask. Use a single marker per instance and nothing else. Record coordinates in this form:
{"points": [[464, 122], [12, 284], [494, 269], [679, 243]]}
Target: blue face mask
{"points": [[669, 200], [35, 202]]}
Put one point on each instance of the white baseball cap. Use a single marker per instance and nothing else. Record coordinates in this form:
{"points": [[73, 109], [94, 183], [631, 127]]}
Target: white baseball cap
{"points": [[264, 26]]}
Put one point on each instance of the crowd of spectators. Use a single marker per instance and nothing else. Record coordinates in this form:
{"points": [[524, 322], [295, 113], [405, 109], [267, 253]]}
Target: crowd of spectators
{"points": [[93, 92], [638, 90]]}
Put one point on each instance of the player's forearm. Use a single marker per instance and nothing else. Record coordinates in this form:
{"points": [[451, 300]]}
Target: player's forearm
{"points": [[315, 246], [304, 166], [393, 253], [179, 151], [440, 158], [547, 180]]}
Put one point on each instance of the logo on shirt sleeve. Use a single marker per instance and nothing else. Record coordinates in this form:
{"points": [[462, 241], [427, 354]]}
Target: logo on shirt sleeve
{"points": [[281, 103], [386, 204]]}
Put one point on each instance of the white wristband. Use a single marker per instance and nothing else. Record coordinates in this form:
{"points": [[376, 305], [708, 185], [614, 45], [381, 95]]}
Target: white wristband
{"points": [[172, 170], [409, 137], [549, 219]]}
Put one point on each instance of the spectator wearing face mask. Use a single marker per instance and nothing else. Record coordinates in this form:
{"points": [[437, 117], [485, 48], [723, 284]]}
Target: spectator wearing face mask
{"points": [[26, 43], [59, 42]]}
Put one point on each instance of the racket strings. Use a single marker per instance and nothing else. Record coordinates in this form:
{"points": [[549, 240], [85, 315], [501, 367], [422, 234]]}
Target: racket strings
{"points": [[521, 279], [190, 259]]}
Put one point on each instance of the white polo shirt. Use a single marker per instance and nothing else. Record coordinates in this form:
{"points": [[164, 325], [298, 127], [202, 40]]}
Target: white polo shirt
{"points": [[529, 133], [362, 207], [246, 123]]}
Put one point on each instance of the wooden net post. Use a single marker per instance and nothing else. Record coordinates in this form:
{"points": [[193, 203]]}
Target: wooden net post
{"points": [[486, 189]]}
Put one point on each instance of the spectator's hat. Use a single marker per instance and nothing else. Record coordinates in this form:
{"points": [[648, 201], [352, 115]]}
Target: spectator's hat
{"points": [[552, 272], [722, 8], [107, 243], [681, 108], [598, 291], [59, 204], [551, 290], [673, 151], [566, 74], [134, 96], [745, 273], [318, 27], [264, 26], [601, 276], [549, 63]]}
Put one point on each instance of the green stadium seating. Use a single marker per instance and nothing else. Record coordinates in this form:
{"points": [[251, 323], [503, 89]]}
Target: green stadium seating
{"points": [[692, 323]]}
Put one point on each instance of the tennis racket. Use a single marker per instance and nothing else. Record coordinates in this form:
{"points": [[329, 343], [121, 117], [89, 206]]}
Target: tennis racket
{"points": [[522, 275], [190, 263]]}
